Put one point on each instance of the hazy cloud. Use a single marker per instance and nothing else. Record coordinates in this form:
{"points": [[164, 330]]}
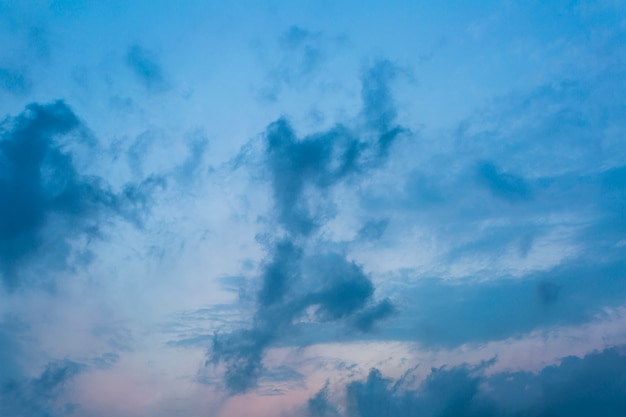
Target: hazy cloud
{"points": [[15, 81], [299, 58], [502, 184], [146, 68]]}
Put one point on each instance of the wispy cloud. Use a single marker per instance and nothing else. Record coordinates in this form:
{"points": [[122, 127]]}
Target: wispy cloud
{"points": [[144, 65], [14, 80]]}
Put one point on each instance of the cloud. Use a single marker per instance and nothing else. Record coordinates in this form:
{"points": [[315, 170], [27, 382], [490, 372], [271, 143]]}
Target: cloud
{"points": [[35, 380], [530, 181], [301, 54], [344, 291], [593, 385], [502, 184], [373, 229], [548, 292], [379, 109], [320, 405], [280, 273], [443, 313], [319, 161], [15, 81], [144, 65], [190, 169], [38, 396], [44, 201], [366, 319], [444, 393], [298, 282], [10, 348]]}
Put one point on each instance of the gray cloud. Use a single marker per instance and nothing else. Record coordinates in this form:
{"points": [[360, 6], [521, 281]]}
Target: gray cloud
{"points": [[502, 184], [44, 200], [38, 396], [292, 279], [527, 167], [320, 405], [367, 318], [373, 229], [593, 385]]}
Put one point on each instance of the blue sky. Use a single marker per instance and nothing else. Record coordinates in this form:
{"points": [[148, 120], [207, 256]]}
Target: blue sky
{"points": [[312, 208]]}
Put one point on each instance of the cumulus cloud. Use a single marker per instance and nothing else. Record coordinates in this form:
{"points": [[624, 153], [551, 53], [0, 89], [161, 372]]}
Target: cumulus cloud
{"points": [[593, 385]]}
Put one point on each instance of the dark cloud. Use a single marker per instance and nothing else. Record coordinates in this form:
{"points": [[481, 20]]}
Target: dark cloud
{"points": [[611, 228], [144, 65], [502, 184], [346, 292], [345, 289], [294, 282], [342, 291], [44, 200], [242, 353], [366, 319], [593, 385], [280, 273], [39, 396], [548, 292], [440, 313], [320, 405], [10, 348], [319, 161], [444, 393]]}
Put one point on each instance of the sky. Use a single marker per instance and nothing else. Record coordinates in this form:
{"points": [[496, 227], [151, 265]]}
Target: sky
{"points": [[312, 208]]}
